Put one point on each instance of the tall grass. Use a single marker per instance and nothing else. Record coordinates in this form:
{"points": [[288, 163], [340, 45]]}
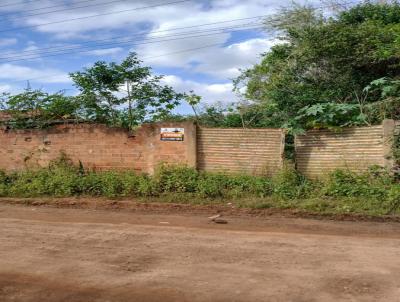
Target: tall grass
{"points": [[372, 192]]}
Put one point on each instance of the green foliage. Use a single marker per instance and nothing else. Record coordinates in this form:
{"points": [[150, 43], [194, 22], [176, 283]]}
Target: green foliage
{"points": [[289, 184], [38, 109], [387, 106], [394, 198], [101, 97], [317, 75], [3, 183], [329, 115], [373, 192], [219, 185], [176, 178], [342, 183]]}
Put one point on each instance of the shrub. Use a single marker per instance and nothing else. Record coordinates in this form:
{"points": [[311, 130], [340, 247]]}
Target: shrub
{"points": [[137, 184], [232, 186], [90, 184], [394, 198], [343, 183], [289, 183], [211, 185], [176, 178], [111, 183], [62, 180], [29, 183], [3, 183], [242, 185], [373, 192]]}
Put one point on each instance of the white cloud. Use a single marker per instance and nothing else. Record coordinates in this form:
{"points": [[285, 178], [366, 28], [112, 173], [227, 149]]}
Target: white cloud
{"points": [[220, 62], [104, 52], [8, 42], [210, 93], [162, 17], [11, 72], [5, 88]]}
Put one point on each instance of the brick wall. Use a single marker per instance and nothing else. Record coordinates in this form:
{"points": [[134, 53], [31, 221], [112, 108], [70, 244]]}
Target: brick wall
{"points": [[4, 116], [97, 147], [251, 151]]}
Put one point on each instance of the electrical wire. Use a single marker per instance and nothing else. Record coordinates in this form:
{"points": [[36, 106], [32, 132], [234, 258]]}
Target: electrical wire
{"points": [[132, 44], [145, 58], [59, 10], [123, 11], [93, 16], [124, 36], [148, 40]]}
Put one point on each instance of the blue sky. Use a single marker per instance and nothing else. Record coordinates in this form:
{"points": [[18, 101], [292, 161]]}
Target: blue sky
{"points": [[204, 43]]}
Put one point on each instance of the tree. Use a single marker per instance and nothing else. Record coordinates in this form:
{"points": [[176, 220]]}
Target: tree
{"points": [[124, 94], [325, 62], [36, 108]]}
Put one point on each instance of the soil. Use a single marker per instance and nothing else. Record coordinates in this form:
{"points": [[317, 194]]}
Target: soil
{"points": [[89, 252]]}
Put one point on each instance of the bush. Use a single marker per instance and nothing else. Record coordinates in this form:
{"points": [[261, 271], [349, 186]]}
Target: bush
{"points": [[288, 183], [371, 184], [3, 183], [176, 179], [373, 192], [394, 198]]}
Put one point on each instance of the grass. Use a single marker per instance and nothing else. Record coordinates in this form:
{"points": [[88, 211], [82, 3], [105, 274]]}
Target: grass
{"points": [[372, 193]]}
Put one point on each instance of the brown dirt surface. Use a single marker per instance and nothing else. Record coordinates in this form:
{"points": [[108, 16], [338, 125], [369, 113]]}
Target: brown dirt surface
{"points": [[94, 254]]}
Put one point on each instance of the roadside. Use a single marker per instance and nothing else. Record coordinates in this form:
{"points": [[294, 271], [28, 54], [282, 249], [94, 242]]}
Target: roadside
{"points": [[156, 205], [56, 254]]}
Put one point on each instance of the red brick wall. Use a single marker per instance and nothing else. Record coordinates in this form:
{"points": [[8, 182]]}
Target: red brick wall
{"points": [[4, 116], [96, 146]]}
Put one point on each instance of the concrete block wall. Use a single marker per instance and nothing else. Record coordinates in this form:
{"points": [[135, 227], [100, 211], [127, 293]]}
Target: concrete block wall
{"points": [[319, 152], [250, 151]]}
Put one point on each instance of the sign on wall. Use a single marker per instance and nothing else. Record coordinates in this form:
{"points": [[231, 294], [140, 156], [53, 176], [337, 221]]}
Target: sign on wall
{"points": [[172, 134]]}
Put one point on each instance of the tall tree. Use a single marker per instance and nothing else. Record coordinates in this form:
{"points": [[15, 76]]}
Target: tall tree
{"points": [[325, 60], [124, 94]]}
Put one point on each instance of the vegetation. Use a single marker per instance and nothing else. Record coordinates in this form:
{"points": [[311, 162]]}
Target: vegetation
{"points": [[329, 71], [38, 109], [372, 193], [125, 94]]}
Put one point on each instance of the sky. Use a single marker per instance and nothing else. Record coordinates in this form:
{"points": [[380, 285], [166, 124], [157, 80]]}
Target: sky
{"points": [[198, 45]]}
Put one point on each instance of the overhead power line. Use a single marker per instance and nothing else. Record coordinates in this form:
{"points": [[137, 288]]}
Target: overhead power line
{"points": [[19, 3], [171, 40], [124, 36], [61, 50], [123, 11], [17, 17], [185, 34], [58, 53], [95, 15], [145, 58]]}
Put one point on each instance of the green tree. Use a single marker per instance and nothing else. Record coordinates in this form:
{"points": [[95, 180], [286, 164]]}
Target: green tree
{"points": [[124, 94], [327, 61], [36, 108]]}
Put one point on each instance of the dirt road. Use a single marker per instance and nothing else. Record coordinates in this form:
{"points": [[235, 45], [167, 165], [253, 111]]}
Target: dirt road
{"points": [[71, 255]]}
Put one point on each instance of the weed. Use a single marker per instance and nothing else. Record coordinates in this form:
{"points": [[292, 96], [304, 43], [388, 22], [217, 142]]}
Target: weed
{"points": [[374, 192]]}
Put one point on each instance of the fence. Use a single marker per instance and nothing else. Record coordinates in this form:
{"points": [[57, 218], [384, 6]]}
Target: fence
{"points": [[318, 152], [98, 147], [252, 151], [234, 150]]}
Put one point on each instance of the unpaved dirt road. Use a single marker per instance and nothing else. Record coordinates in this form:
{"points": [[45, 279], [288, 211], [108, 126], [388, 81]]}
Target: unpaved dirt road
{"points": [[71, 255]]}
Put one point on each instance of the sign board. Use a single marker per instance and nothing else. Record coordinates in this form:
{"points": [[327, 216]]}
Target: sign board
{"points": [[172, 134]]}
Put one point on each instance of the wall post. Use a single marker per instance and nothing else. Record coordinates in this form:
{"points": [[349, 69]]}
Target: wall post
{"points": [[388, 127], [191, 135]]}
